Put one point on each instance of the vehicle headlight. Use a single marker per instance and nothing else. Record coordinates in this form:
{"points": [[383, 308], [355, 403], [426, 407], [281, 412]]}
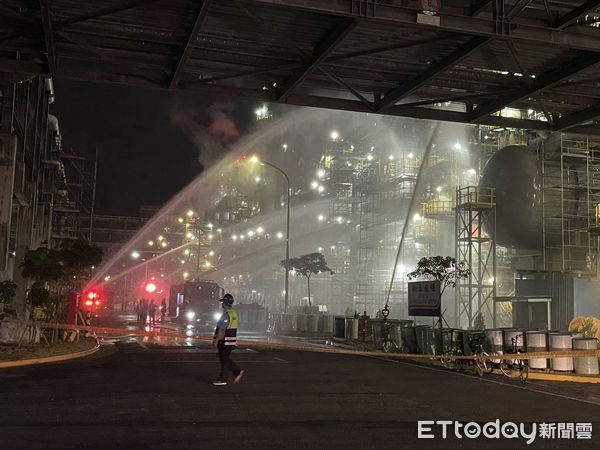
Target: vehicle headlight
{"points": [[217, 316], [190, 315]]}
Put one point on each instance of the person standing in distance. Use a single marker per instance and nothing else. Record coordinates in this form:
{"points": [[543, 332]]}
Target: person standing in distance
{"points": [[224, 339]]}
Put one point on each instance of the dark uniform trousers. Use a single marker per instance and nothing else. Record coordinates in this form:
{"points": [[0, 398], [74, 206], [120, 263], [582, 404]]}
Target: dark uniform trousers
{"points": [[226, 363]]}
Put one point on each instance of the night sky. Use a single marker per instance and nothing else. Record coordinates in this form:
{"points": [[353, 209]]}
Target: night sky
{"points": [[151, 142]]}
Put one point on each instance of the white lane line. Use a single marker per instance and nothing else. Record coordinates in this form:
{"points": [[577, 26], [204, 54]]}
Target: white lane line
{"points": [[280, 359], [141, 344], [251, 350], [487, 380]]}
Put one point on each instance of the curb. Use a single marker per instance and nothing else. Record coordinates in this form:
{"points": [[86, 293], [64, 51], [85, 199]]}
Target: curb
{"points": [[567, 377], [49, 359], [559, 377]]}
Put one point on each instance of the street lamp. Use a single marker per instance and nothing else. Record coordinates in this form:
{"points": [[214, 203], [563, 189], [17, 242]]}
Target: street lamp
{"points": [[255, 159]]}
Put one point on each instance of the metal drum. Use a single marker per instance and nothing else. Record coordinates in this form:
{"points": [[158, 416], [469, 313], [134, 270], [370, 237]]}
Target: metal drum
{"points": [[351, 328], [408, 339], [446, 339], [510, 334], [537, 341], [313, 323], [326, 324], [289, 322], [302, 321], [561, 342], [435, 341], [458, 338], [586, 365], [494, 343], [421, 332]]}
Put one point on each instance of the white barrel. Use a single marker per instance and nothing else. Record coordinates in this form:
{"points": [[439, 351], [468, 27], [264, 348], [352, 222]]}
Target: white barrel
{"points": [[560, 342], [494, 343], [514, 334], [313, 323], [586, 365], [537, 341]]}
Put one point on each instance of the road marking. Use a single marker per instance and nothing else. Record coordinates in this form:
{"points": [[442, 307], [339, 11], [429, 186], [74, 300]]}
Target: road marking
{"points": [[487, 380], [195, 350], [280, 359], [141, 344]]}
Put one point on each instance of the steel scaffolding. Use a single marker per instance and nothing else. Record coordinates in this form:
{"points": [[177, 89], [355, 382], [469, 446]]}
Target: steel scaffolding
{"points": [[570, 195], [384, 194], [342, 163], [475, 246]]}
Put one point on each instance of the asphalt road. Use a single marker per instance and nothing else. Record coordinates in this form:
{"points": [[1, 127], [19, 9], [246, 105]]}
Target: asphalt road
{"points": [[141, 395]]}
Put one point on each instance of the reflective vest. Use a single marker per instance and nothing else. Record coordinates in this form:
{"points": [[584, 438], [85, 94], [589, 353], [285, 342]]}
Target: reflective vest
{"points": [[231, 331]]}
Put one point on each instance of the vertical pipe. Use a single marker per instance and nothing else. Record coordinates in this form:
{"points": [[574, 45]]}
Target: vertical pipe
{"points": [[93, 205], [457, 293], [480, 272], [493, 244], [589, 199], [544, 230], [287, 246], [562, 205], [470, 259]]}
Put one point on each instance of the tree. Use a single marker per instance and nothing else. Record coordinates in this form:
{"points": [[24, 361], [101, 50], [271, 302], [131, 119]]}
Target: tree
{"points": [[444, 269], [56, 272], [308, 265], [7, 293], [66, 267], [479, 322], [8, 290], [42, 264]]}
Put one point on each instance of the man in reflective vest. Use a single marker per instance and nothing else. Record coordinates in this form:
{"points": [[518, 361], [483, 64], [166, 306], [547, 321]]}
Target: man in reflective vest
{"points": [[224, 339]]}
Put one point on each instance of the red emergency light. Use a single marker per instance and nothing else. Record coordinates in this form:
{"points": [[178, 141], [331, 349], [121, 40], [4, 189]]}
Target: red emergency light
{"points": [[92, 298]]}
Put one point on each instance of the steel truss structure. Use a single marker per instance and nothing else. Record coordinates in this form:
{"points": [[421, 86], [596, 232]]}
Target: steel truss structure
{"points": [[475, 246], [383, 196], [342, 161], [571, 195], [376, 56]]}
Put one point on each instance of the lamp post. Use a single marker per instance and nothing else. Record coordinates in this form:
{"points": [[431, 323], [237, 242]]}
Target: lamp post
{"points": [[287, 227]]}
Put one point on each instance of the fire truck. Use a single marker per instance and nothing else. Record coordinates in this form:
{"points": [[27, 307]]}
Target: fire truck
{"points": [[196, 303]]}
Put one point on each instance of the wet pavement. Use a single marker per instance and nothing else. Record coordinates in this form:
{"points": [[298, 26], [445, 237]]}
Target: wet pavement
{"points": [[135, 394]]}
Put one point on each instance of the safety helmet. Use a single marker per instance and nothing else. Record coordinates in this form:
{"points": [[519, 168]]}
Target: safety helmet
{"points": [[227, 299]]}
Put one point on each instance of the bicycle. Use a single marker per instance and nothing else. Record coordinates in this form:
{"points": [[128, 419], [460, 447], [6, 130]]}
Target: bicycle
{"points": [[515, 368], [388, 344], [483, 365], [449, 361]]}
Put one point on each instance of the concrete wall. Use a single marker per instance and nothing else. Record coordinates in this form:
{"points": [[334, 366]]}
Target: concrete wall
{"points": [[25, 183]]}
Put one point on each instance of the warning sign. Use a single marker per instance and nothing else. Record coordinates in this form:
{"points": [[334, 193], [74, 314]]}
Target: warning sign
{"points": [[424, 298]]}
